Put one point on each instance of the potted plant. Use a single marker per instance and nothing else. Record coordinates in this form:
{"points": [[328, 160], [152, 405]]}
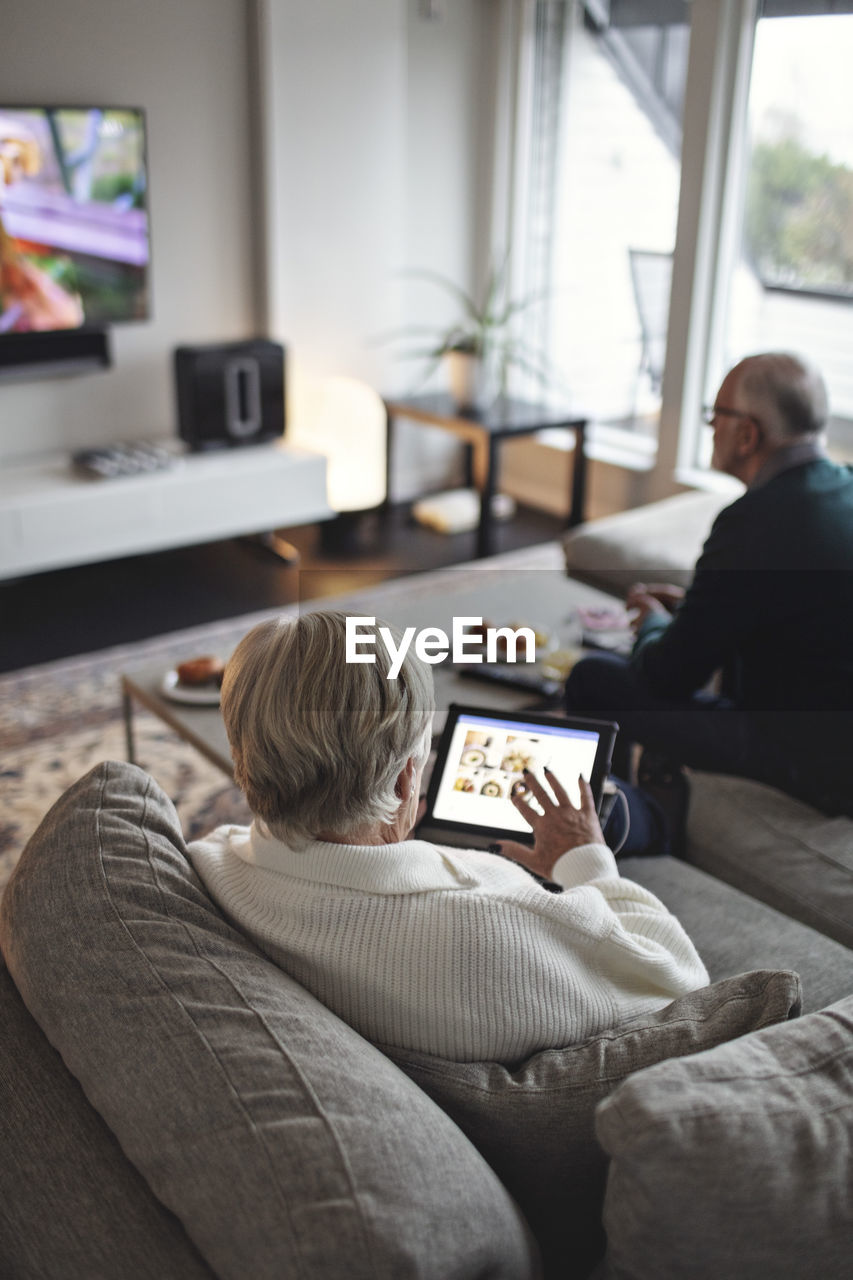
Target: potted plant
{"points": [[482, 346]]}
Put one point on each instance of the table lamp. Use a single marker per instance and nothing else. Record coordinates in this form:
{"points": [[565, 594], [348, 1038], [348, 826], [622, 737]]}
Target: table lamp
{"points": [[344, 419]]}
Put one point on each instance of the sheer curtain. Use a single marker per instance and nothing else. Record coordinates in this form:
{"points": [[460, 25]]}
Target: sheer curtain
{"points": [[602, 176]]}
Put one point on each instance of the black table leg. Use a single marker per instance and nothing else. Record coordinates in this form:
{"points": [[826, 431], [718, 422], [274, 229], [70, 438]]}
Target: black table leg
{"points": [[578, 482], [469, 466], [385, 506], [485, 531]]}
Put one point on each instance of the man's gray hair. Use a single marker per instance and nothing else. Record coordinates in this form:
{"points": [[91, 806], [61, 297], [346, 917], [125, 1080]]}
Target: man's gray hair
{"points": [[318, 742], [788, 393]]}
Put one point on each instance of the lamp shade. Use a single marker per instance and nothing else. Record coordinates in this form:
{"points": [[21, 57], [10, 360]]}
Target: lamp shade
{"points": [[344, 419]]}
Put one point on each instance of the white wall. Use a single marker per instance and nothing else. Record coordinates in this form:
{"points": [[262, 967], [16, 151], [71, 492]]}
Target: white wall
{"points": [[448, 147], [185, 62], [334, 90], [448, 201], [374, 127]]}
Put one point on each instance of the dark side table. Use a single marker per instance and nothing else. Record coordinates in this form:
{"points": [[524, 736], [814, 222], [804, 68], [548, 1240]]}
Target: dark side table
{"points": [[483, 431]]}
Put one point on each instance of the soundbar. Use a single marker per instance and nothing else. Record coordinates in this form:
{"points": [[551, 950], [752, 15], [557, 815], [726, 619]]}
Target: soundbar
{"points": [[24, 355]]}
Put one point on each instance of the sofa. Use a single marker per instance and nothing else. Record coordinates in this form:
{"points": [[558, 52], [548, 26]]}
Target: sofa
{"points": [[753, 837], [172, 1105], [658, 542]]}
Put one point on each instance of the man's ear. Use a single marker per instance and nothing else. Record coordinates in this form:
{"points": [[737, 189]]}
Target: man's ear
{"points": [[749, 439]]}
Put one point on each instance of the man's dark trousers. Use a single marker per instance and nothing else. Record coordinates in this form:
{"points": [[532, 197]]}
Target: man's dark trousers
{"points": [[796, 752]]}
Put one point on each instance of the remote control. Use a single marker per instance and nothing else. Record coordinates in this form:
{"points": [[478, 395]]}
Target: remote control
{"points": [[513, 675], [110, 461]]}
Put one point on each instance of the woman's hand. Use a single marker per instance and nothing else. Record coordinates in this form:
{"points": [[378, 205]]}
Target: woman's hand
{"points": [[559, 827]]}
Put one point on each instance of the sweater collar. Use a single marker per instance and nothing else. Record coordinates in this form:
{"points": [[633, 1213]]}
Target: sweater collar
{"points": [[411, 866], [795, 455]]}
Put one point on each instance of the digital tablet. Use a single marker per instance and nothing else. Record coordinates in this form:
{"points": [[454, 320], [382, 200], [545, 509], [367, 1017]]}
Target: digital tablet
{"points": [[480, 766]]}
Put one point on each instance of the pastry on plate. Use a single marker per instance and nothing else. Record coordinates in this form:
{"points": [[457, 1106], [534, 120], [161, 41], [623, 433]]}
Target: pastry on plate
{"points": [[203, 672]]}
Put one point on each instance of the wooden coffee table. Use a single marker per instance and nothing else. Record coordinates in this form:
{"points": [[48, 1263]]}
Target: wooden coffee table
{"points": [[507, 595], [201, 727]]}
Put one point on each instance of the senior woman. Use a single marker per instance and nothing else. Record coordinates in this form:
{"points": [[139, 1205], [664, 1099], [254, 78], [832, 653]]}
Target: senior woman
{"points": [[459, 954]]}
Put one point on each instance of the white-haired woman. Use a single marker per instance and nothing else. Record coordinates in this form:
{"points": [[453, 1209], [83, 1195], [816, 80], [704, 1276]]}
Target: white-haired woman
{"points": [[459, 954]]}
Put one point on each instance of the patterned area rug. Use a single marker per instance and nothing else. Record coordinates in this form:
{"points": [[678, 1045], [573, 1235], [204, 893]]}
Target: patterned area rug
{"points": [[60, 719]]}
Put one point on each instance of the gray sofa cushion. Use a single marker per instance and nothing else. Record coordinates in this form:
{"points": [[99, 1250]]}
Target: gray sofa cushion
{"points": [[738, 1162], [284, 1143], [659, 542], [535, 1124], [733, 931], [71, 1204], [775, 848]]}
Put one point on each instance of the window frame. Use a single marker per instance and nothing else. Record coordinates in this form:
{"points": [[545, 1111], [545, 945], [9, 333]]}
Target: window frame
{"points": [[714, 146]]}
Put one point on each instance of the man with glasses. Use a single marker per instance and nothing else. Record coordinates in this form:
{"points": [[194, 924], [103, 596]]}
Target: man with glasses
{"points": [[750, 671]]}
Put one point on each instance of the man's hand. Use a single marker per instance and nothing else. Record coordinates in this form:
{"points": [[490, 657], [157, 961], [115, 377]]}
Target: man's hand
{"points": [[645, 598], [560, 827], [663, 592]]}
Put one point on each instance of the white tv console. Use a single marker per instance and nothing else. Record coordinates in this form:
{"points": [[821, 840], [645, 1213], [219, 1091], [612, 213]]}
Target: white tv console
{"points": [[51, 517]]}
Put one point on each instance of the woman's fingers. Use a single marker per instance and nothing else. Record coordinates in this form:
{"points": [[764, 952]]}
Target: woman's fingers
{"points": [[559, 800], [557, 823], [560, 795], [513, 849], [587, 798], [525, 808], [533, 783]]}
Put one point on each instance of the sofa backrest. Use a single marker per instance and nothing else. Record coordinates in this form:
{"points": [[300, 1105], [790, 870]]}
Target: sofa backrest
{"points": [[774, 848], [283, 1142]]}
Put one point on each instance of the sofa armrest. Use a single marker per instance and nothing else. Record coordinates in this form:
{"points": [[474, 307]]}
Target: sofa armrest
{"points": [[283, 1142], [660, 542]]}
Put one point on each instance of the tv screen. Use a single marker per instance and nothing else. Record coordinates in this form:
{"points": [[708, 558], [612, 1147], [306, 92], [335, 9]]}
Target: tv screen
{"points": [[74, 245]]}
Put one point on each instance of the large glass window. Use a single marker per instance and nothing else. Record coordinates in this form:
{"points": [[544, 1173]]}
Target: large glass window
{"points": [[765, 253], [603, 199], [791, 286]]}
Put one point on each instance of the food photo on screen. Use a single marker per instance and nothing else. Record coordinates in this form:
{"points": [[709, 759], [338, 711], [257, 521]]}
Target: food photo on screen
{"points": [[74, 242], [487, 763]]}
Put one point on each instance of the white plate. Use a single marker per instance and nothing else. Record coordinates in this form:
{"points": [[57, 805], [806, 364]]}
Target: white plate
{"points": [[204, 696]]}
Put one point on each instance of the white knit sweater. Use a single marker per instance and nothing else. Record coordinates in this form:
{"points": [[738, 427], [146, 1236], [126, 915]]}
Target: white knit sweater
{"points": [[458, 954]]}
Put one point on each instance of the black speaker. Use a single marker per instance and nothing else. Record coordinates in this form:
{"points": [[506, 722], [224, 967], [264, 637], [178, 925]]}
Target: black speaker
{"points": [[230, 394]]}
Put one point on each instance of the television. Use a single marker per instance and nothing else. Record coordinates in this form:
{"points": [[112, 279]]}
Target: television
{"points": [[74, 235]]}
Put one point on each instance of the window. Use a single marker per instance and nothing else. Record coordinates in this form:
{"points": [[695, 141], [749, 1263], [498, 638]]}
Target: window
{"points": [[602, 201], [791, 284], [711, 143]]}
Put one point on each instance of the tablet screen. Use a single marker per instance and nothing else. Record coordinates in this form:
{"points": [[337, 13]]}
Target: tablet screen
{"points": [[483, 756]]}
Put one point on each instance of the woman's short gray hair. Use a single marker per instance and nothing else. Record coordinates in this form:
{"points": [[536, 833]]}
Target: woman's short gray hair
{"points": [[318, 742]]}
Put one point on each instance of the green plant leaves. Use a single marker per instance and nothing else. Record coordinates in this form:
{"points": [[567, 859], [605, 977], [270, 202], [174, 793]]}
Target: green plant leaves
{"points": [[483, 330]]}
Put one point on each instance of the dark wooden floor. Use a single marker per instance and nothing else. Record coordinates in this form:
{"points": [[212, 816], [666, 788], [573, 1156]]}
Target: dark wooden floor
{"points": [[69, 611]]}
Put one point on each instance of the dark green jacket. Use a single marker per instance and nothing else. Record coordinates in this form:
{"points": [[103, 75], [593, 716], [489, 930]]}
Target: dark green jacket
{"points": [[771, 603]]}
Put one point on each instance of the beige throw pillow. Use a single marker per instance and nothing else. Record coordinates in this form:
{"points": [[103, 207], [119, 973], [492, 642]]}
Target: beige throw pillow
{"points": [[737, 1162], [535, 1123]]}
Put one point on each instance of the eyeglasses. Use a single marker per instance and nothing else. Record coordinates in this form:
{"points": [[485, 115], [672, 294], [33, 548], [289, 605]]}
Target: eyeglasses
{"points": [[712, 411]]}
